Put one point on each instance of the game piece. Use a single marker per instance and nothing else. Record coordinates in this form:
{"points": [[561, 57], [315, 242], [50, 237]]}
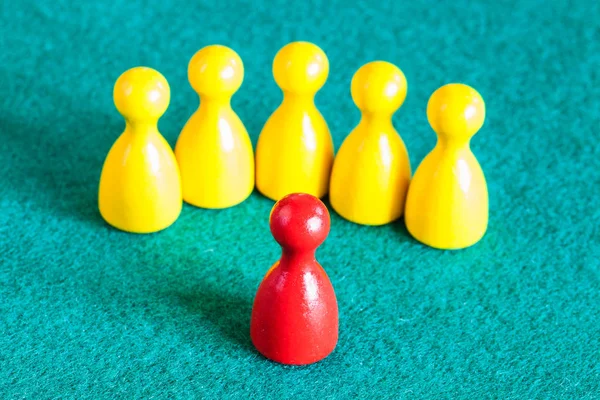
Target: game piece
{"points": [[447, 201], [371, 171], [140, 185], [214, 150], [294, 152], [295, 313]]}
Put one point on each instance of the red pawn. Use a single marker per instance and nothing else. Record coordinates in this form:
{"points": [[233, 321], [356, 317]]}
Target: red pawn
{"points": [[295, 312]]}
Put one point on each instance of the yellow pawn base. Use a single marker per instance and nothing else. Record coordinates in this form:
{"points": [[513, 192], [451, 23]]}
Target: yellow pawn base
{"points": [[131, 226], [216, 204], [364, 218], [443, 241]]}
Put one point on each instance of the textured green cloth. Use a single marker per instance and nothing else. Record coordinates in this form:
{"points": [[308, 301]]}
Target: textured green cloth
{"points": [[89, 312]]}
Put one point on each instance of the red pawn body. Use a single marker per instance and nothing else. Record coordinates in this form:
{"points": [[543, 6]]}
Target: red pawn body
{"points": [[295, 312]]}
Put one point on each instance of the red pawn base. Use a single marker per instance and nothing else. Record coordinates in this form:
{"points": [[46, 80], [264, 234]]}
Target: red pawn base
{"points": [[295, 316]]}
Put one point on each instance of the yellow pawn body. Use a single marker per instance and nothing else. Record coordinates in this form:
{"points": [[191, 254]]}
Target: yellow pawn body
{"points": [[140, 186], [371, 171], [214, 150], [294, 152], [447, 203]]}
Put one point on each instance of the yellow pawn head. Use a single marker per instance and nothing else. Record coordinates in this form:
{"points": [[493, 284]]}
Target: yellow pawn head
{"points": [[300, 68], [141, 93], [216, 71], [379, 87], [456, 111]]}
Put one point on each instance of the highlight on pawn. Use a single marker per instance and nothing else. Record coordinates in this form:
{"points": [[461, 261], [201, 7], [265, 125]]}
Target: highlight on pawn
{"points": [[144, 182]]}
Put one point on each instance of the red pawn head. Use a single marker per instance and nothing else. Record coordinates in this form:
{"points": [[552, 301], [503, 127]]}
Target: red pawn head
{"points": [[295, 313], [299, 222]]}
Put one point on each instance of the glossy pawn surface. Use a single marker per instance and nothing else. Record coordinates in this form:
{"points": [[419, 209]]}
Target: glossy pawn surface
{"points": [[140, 185], [447, 202], [214, 150], [294, 152], [371, 171], [295, 313]]}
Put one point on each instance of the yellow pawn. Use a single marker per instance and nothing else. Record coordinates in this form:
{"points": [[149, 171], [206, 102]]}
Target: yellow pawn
{"points": [[140, 186], [447, 203], [294, 152], [371, 171], [214, 150]]}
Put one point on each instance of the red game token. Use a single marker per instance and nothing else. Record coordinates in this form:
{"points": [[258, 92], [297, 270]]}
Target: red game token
{"points": [[295, 312]]}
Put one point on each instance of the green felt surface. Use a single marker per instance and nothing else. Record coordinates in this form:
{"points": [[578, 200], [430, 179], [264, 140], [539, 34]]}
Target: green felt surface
{"points": [[89, 312]]}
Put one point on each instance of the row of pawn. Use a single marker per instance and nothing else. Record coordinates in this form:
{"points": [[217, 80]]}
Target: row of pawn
{"points": [[144, 182]]}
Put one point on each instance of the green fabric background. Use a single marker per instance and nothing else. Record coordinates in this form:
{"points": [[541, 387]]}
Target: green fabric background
{"points": [[89, 312]]}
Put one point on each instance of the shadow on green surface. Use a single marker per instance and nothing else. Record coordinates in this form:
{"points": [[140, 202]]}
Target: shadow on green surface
{"points": [[399, 226], [56, 172], [229, 314]]}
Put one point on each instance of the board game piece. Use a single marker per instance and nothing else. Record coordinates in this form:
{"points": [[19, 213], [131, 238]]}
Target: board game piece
{"points": [[294, 152], [214, 150], [295, 312], [447, 201], [140, 185], [371, 171]]}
